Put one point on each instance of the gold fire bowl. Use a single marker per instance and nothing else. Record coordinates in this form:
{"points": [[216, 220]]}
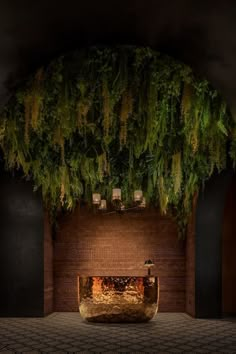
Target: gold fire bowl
{"points": [[118, 299]]}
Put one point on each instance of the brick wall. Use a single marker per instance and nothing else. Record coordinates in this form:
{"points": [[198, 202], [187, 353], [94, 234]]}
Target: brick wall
{"points": [[190, 262], [94, 244], [48, 267]]}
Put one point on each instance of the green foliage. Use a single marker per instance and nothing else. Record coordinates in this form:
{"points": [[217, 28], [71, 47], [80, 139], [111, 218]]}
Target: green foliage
{"points": [[123, 116]]}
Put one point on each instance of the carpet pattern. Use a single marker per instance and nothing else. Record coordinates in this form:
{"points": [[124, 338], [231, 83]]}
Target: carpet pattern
{"points": [[68, 333]]}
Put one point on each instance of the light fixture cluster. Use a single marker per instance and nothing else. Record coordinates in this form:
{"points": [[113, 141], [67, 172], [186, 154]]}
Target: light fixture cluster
{"points": [[117, 204]]}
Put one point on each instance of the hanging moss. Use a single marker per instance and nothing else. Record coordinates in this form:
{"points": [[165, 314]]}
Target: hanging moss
{"points": [[163, 195], [106, 108], [126, 111], [27, 108], [124, 116], [177, 171], [37, 98]]}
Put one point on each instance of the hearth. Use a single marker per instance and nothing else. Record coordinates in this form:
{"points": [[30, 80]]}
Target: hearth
{"points": [[118, 298]]}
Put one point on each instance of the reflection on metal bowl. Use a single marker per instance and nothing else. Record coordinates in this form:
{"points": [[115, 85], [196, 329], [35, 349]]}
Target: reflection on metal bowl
{"points": [[118, 299]]}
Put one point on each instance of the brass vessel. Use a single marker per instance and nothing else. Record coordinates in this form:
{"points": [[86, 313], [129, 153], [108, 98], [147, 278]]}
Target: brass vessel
{"points": [[118, 299]]}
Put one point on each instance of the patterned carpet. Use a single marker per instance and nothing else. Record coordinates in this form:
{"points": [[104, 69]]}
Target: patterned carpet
{"points": [[68, 333]]}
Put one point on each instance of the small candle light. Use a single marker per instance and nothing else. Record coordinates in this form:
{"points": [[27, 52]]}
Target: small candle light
{"points": [[143, 203], [138, 195], [116, 194], [103, 205], [96, 198]]}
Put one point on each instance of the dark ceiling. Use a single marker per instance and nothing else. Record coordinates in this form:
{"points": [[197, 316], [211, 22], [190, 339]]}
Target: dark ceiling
{"points": [[200, 33]]}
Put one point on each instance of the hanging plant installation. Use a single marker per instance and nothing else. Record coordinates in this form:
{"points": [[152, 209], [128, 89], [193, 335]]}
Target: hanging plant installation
{"points": [[126, 116]]}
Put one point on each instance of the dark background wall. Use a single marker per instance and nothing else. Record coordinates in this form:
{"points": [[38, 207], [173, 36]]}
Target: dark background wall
{"points": [[208, 246], [228, 252], [88, 244], [21, 248]]}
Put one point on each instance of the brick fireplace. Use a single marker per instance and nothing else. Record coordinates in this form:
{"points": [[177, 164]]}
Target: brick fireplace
{"points": [[89, 244]]}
